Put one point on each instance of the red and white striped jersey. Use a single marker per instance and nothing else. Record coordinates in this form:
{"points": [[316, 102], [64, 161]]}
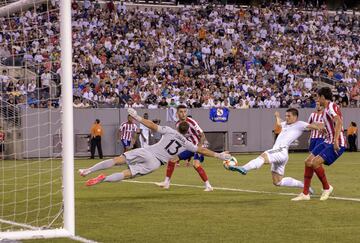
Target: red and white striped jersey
{"points": [[194, 133], [330, 112], [127, 129], [317, 118]]}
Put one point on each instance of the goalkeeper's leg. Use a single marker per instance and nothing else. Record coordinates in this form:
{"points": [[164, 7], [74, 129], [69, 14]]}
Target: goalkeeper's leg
{"points": [[140, 162], [103, 165], [116, 177]]}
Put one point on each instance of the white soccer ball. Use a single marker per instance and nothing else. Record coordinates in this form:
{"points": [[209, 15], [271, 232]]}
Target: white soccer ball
{"points": [[232, 162]]}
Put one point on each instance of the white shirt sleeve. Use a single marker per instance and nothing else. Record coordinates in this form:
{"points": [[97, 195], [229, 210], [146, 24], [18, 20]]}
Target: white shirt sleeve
{"points": [[303, 125]]}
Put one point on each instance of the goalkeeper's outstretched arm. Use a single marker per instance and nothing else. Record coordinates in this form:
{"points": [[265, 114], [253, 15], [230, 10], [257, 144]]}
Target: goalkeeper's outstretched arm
{"points": [[207, 152], [149, 124]]}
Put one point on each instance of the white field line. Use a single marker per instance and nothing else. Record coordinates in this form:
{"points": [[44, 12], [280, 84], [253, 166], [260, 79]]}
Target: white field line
{"points": [[216, 188], [26, 226], [82, 239], [244, 190]]}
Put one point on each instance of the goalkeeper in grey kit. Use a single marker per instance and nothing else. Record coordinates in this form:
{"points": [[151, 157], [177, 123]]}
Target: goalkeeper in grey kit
{"points": [[143, 161]]}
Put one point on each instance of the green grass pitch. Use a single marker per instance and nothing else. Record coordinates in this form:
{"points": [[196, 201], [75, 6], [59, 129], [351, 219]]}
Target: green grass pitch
{"points": [[134, 212]]}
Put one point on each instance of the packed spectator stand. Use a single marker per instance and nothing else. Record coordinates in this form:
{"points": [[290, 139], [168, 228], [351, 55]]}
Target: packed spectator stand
{"points": [[202, 56]]}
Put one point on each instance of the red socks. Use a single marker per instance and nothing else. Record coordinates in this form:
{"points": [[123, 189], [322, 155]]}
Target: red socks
{"points": [[308, 174], [202, 173], [320, 172], [170, 169]]}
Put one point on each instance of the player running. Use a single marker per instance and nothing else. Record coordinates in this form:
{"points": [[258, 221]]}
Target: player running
{"points": [[197, 137], [328, 151], [316, 137], [143, 161], [278, 156]]}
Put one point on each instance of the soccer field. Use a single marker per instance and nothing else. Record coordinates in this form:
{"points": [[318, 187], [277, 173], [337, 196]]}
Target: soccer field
{"points": [[142, 212]]}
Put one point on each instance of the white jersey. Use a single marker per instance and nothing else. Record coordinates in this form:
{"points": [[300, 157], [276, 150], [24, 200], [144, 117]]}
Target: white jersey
{"points": [[171, 144], [289, 133], [145, 132]]}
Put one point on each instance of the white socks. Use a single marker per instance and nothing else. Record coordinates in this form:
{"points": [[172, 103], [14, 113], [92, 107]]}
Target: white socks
{"points": [[254, 164], [115, 177], [207, 184], [101, 166], [167, 180], [290, 182]]}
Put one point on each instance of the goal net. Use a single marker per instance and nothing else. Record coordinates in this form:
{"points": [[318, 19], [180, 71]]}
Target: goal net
{"points": [[36, 168]]}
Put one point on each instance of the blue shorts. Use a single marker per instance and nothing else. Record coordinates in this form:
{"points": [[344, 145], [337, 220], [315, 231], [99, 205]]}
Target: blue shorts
{"points": [[188, 155], [327, 152], [315, 142], [125, 143]]}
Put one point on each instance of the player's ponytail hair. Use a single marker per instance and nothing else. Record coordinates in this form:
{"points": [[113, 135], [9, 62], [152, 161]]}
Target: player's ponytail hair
{"points": [[183, 127]]}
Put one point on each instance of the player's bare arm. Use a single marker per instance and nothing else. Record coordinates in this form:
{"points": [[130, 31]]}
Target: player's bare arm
{"points": [[277, 118], [203, 139], [143, 121], [338, 126], [316, 126], [118, 135]]}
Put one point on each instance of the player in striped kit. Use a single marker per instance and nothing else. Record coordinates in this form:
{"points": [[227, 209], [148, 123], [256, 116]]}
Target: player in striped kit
{"points": [[316, 137], [128, 133], [328, 151], [196, 136]]}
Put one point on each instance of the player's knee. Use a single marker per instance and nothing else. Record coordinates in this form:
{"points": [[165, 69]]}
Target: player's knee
{"points": [[265, 157], [308, 162], [119, 160], [174, 160], [317, 161], [196, 163]]}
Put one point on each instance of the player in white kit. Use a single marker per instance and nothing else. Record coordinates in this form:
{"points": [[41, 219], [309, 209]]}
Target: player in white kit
{"points": [[143, 161], [144, 133], [278, 156]]}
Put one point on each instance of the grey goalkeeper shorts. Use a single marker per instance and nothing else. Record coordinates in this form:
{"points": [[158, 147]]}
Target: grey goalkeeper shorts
{"points": [[141, 161]]}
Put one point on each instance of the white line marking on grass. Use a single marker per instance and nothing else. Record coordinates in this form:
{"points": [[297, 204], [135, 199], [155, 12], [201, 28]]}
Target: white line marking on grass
{"points": [[221, 189], [245, 190], [82, 239]]}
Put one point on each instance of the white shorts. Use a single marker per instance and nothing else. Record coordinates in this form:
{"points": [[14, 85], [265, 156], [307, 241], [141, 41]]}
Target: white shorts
{"points": [[278, 159], [141, 162]]}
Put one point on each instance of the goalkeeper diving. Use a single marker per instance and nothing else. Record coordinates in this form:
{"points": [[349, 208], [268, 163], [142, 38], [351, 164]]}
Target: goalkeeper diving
{"points": [[143, 161]]}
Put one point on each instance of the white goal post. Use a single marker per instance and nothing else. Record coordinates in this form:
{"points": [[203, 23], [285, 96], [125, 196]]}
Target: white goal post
{"points": [[27, 231]]}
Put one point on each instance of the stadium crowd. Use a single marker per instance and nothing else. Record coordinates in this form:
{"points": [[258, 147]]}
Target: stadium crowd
{"points": [[203, 56]]}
